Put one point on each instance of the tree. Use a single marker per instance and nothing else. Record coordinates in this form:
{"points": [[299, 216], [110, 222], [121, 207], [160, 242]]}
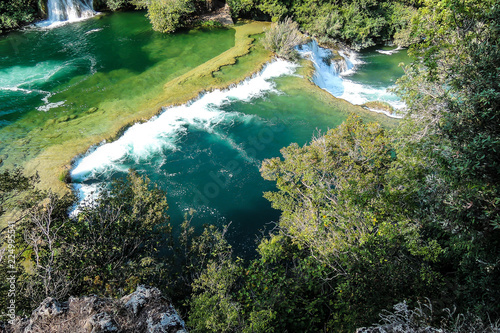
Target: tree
{"points": [[108, 248], [452, 139], [338, 204], [169, 15], [15, 13], [323, 185]]}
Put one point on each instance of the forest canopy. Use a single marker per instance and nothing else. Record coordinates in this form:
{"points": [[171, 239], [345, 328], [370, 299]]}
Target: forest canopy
{"points": [[357, 23]]}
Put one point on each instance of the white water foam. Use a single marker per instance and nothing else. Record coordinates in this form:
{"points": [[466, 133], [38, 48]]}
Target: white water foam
{"points": [[92, 31], [390, 52], [49, 106], [163, 132], [332, 77]]}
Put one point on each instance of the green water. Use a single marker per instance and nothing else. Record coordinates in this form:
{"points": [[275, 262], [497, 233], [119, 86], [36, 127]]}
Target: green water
{"points": [[112, 62], [207, 154], [75, 81], [378, 69], [375, 74]]}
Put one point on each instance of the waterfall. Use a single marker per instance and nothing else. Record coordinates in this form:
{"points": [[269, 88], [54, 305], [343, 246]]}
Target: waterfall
{"points": [[329, 68], [69, 10], [332, 74]]}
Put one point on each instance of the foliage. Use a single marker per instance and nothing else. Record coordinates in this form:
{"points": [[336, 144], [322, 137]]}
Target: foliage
{"points": [[169, 15], [452, 140], [108, 248], [240, 8], [14, 13], [214, 310], [282, 39], [112, 5], [359, 23], [344, 168], [12, 184], [281, 290]]}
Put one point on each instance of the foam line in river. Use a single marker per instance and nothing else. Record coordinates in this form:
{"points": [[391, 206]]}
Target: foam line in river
{"points": [[390, 52], [163, 132]]}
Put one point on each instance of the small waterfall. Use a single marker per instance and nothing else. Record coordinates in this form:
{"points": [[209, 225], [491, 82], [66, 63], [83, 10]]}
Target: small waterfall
{"points": [[332, 71], [329, 67], [69, 10]]}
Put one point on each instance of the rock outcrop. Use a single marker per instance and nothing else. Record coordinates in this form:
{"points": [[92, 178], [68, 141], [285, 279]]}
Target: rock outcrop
{"points": [[145, 310]]}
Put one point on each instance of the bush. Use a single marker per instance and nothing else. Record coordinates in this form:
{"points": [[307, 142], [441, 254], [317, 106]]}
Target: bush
{"points": [[282, 39], [108, 248], [14, 13], [169, 15]]}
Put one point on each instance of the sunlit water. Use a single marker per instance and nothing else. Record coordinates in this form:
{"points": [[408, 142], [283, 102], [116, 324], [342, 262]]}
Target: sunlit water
{"points": [[205, 154], [49, 73]]}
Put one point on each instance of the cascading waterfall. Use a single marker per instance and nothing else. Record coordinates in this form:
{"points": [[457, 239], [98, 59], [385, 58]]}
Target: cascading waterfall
{"points": [[332, 72], [69, 10], [327, 75]]}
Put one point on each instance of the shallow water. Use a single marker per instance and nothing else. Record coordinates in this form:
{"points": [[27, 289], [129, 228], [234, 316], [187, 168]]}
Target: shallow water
{"points": [[49, 75]]}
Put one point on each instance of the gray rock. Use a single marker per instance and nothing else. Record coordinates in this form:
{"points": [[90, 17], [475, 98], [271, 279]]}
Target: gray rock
{"points": [[48, 308], [168, 321], [139, 298], [145, 310], [100, 322]]}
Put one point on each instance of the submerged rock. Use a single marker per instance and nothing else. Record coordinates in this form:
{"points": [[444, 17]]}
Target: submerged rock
{"points": [[145, 310]]}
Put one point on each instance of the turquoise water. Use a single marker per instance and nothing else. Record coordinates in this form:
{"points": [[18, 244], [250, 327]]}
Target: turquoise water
{"points": [[377, 71], [49, 73], [380, 70], [205, 154]]}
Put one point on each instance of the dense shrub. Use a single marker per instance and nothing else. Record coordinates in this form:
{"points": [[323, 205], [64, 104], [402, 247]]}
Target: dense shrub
{"points": [[282, 39], [169, 15], [14, 13]]}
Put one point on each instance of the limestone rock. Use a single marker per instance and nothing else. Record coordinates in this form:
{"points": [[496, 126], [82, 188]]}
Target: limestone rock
{"points": [[139, 298], [145, 310]]}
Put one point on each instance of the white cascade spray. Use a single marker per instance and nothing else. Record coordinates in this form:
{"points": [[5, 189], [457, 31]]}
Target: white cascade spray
{"points": [[162, 133], [329, 72], [330, 75], [69, 10]]}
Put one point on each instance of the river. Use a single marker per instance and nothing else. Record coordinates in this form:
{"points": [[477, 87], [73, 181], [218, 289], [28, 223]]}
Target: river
{"points": [[71, 83]]}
